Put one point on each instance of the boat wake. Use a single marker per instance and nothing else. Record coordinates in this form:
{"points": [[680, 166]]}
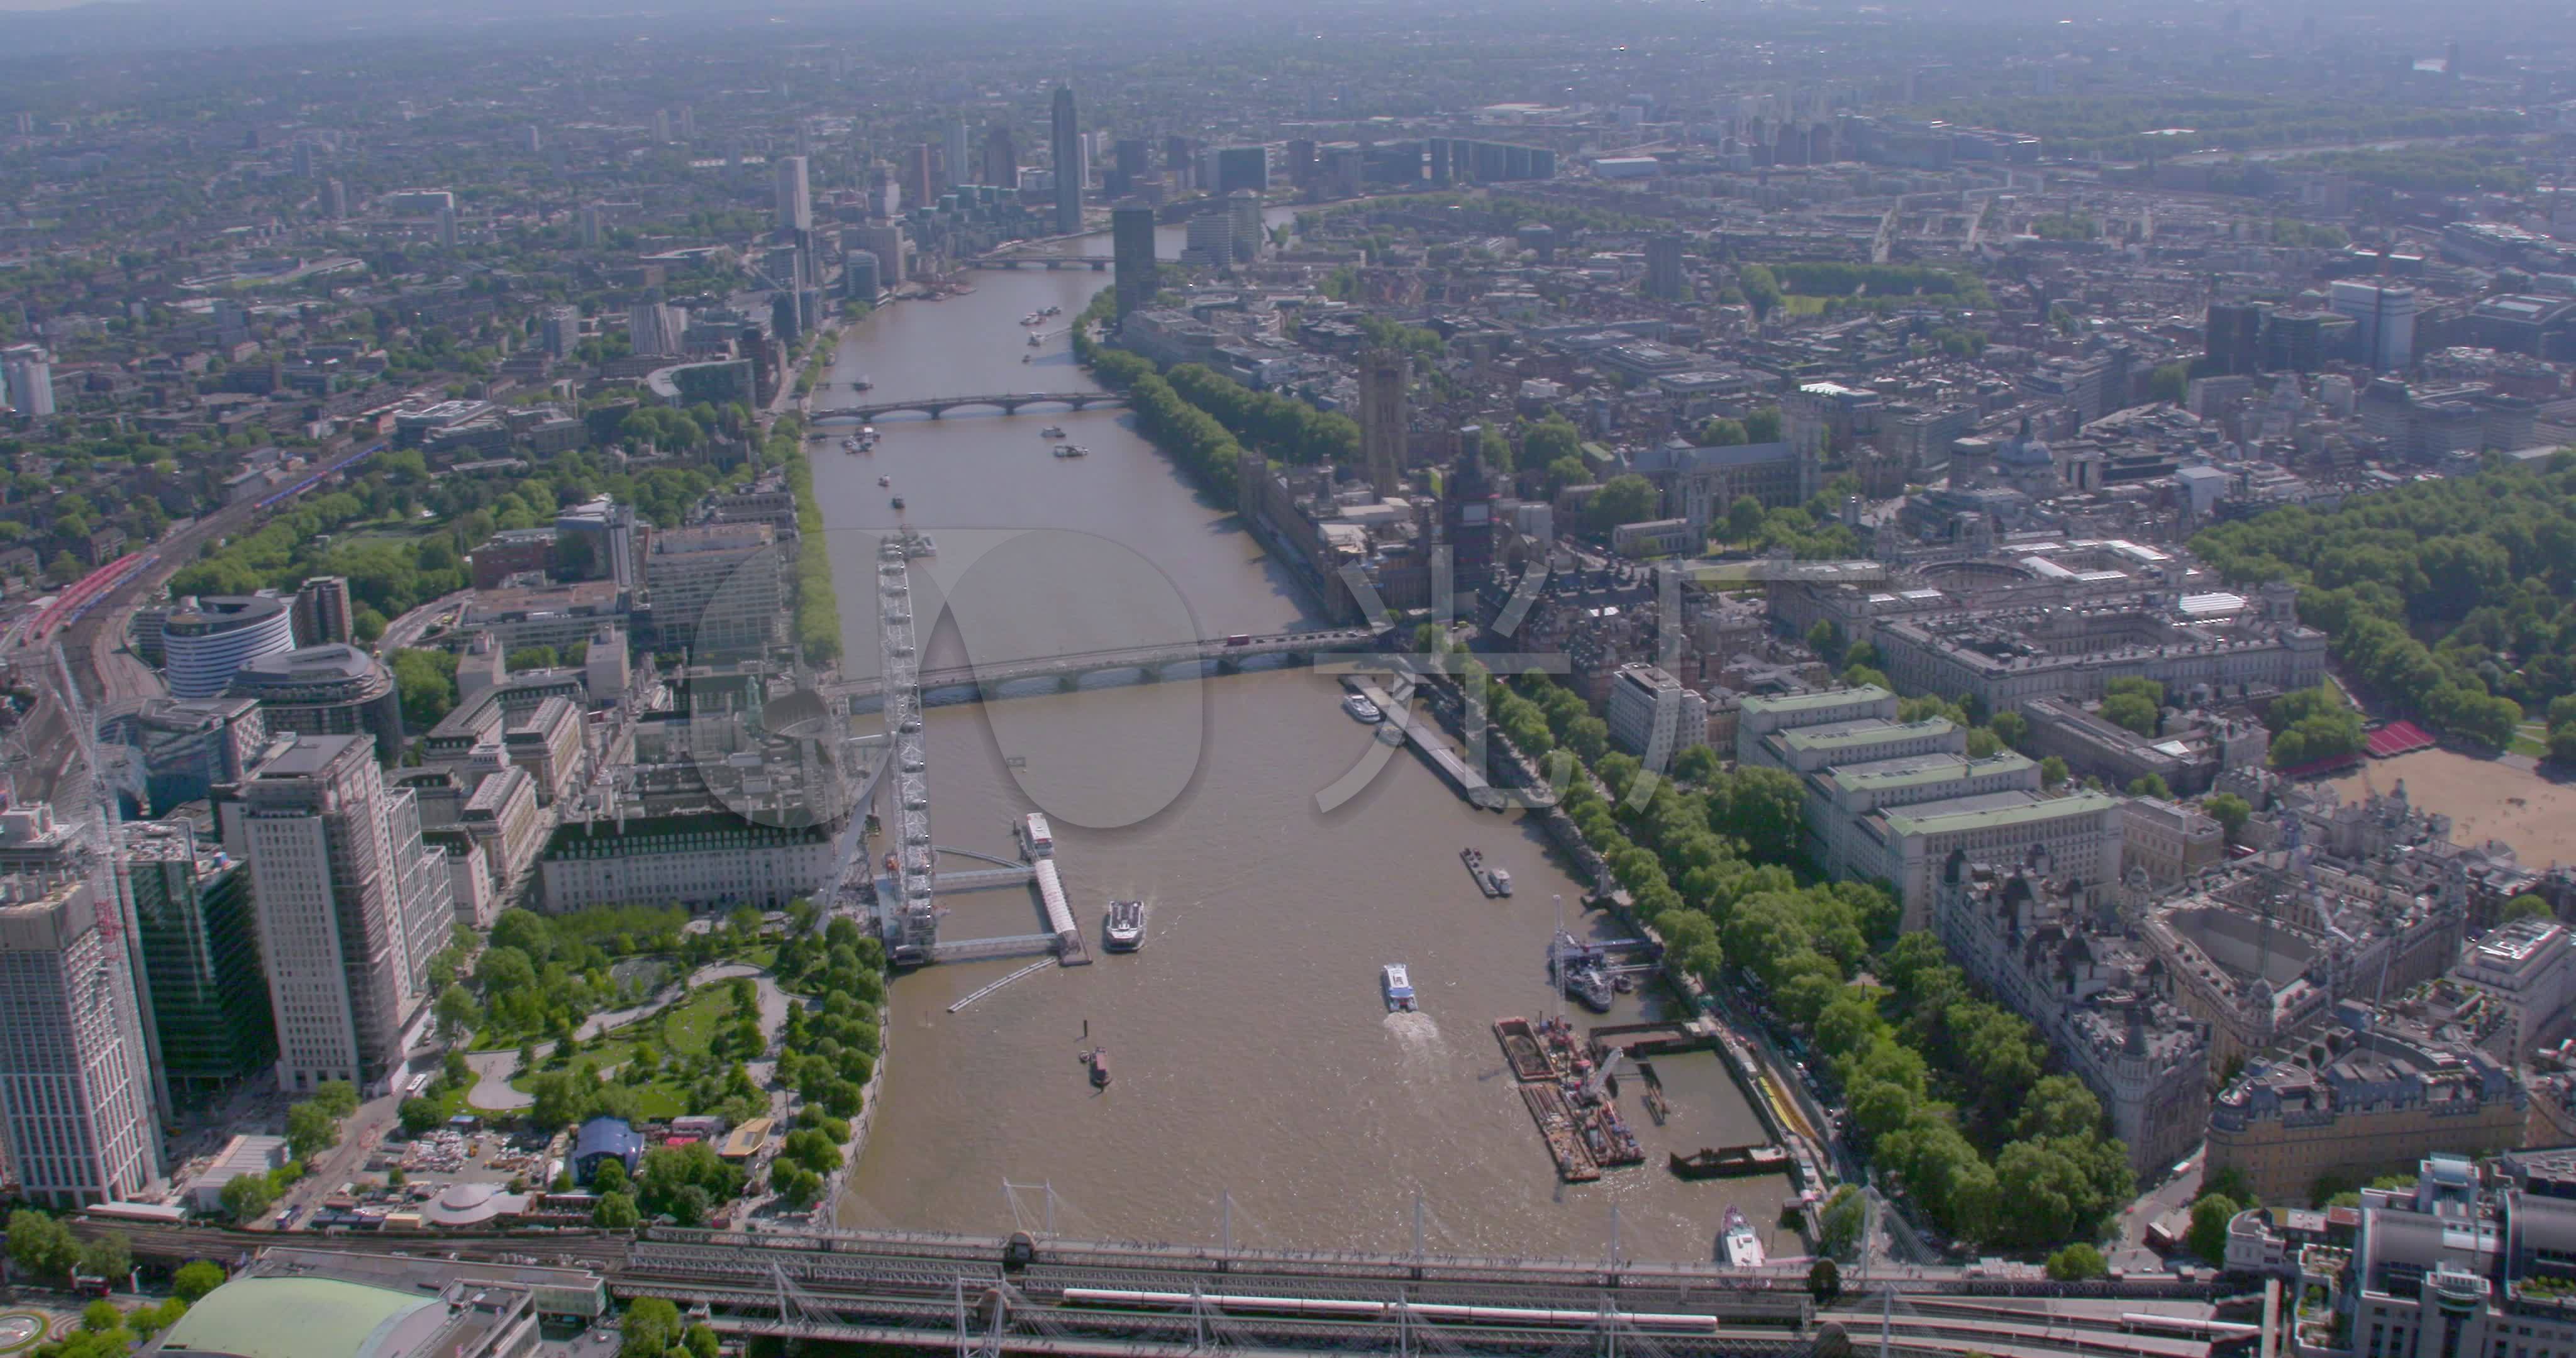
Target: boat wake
{"points": [[1417, 1033]]}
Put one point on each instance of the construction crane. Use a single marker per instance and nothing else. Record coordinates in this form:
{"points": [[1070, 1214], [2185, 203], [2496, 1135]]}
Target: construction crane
{"points": [[1601, 1076]]}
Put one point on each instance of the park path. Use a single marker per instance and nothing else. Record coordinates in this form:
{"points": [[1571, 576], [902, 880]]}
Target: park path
{"points": [[493, 1070]]}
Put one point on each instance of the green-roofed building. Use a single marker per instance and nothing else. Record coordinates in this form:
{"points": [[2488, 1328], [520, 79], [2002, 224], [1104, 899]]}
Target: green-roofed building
{"points": [[305, 1318], [299, 1303]]}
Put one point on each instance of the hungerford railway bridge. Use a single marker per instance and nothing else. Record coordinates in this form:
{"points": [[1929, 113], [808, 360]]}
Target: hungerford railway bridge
{"points": [[1036, 1293]]}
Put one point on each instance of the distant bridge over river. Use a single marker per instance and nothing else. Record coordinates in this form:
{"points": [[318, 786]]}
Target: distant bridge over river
{"points": [[1008, 402], [1068, 670]]}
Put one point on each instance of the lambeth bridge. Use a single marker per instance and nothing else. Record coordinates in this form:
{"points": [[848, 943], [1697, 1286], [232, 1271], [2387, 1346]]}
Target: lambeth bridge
{"points": [[1008, 402], [1148, 663]]}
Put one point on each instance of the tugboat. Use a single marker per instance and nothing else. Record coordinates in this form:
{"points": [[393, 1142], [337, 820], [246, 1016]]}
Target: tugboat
{"points": [[863, 384], [1124, 929], [1362, 710], [898, 502], [1737, 1244], [1053, 431], [1098, 1059], [1398, 984]]}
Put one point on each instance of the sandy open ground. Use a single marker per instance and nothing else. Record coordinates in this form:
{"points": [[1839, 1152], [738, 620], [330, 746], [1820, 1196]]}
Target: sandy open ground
{"points": [[2485, 799]]}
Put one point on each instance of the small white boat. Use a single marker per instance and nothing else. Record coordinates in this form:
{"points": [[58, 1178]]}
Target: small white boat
{"points": [[862, 384], [1035, 340], [1739, 1243], [1053, 431], [1072, 450], [1124, 929], [867, 431], [1362, 710], [885, 480], [1398, 984], [1502, 882]]}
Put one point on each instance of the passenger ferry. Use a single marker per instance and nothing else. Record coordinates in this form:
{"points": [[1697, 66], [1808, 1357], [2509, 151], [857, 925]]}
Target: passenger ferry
{"points": [[1037, 840], [1053, 431], [1071, 450], [1502, 882], [1124, 929], [1399, 988], [1739, 1244], [898, 502], [1362, 710], [863, 384]]}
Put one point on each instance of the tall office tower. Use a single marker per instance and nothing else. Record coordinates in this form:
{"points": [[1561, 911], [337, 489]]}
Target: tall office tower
{"points": [[594, 226], [335, 199], [1239, 167], [688, 121], [916, 175], [661, 124], [795, 200], [1382, 378], [2383, 316], [960, 165], [1440, 161], [196, 947], [1065, 143], [1131, 239], [531, 140], [1302, 161], [351, 908], [654, 329], [1179, 155], [559, 330], [1244, 206], [303, 156], [322, 614], [784, 321], [2232, 338], [1664, 268], [1211, 240], [447, 228], [1001, 158], [1133, 161], [30, 375], [77, 1115]]}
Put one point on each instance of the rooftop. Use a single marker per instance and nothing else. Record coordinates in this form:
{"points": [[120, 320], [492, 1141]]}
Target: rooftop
{"points": [[330, 1318], [1992, 812]]}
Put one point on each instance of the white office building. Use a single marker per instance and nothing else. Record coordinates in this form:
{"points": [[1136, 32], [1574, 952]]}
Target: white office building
{"points": [[1653, 717], [2529, 966], [29, 371], [2383, 317], [352, 905], [77, 1120], [655, 328], [208, 640]]}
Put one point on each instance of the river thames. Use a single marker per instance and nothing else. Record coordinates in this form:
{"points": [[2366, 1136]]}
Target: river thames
{"points": [[1253, 1056]]}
